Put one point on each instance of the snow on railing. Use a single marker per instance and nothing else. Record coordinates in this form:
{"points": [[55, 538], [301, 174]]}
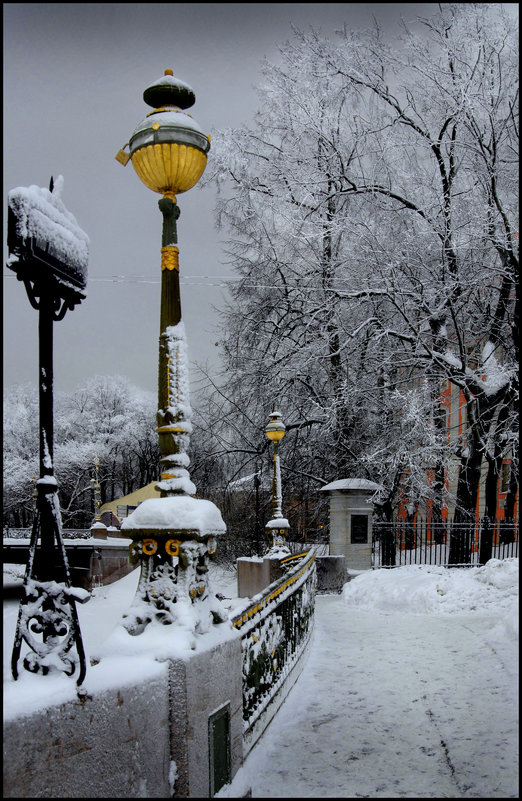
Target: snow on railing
{"points": [[67, 533], [275, 627]]}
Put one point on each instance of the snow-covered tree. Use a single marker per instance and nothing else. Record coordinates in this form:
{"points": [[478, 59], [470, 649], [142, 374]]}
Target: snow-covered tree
{"points": [[106, 418], [372, 214], [21, 462]]}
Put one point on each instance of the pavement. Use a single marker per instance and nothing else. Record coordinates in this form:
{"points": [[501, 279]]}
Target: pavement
{"points": [[393, 705]]}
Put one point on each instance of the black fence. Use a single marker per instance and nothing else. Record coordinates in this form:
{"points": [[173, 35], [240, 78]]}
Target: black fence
{"points": [[67, 533], [448, 544]]}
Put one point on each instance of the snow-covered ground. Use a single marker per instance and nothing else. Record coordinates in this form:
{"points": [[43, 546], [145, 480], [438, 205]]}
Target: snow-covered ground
{"points": [[410, 688], [100, 625], [410, 691]]}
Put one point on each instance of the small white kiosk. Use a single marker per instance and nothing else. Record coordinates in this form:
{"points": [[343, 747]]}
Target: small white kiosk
{"points": [[351, 520]]}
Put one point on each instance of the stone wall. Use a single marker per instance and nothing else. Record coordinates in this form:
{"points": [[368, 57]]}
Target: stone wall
{"points": [[112, 745], [149, 739], [255, 573], [331, 573], [207, 682]]}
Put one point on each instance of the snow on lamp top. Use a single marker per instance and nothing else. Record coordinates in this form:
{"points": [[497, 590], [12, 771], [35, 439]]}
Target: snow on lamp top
{"points": [[180, 512], [168, 148], [169, 91], [41, 231]]}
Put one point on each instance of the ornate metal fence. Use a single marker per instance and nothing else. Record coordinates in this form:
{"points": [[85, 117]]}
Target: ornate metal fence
{"points": [[68, 533], [447, 544], [275, 629]]}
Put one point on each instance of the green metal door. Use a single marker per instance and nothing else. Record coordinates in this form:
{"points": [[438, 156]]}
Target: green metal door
{"points": [[219, 748]]}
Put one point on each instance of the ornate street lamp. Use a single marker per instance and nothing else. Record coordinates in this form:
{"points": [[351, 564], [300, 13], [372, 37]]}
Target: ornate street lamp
{"points": [[49, 253], [35, 494], [276, 528], [172, 535], [95, 486]]}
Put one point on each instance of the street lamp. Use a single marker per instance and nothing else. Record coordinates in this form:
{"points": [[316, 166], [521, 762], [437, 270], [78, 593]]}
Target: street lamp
{"points": [[49, 253], [35, 494], [95, 486], [276, 528], [174, 534], [168, 152]]}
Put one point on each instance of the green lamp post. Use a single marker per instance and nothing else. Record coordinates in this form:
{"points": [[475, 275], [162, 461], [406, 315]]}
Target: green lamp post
{"points": [[172, 535]]}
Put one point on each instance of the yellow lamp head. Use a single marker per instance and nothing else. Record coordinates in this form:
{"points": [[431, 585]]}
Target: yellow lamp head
{"points": [[168, 148], [275, 429]]}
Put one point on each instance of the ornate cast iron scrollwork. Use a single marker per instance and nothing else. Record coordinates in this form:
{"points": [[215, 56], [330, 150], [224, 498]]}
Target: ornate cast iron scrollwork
{"points": [[47, 618], [275, 634], [47, 611]]}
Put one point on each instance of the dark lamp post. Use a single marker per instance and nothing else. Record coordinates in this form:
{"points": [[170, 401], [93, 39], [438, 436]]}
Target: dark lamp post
{"points": [[49, 253], [95, 484]]}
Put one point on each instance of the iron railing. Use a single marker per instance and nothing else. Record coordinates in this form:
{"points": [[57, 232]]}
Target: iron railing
{"points": [[275, 628], [68, 533], [447, 544], [231, 548]]}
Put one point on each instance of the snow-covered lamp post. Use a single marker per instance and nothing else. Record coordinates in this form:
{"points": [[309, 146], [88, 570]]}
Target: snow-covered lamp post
{"points": [[49, 253], [277, 527], [35, 494], [174, 534], [98, 529], [96, 491]]}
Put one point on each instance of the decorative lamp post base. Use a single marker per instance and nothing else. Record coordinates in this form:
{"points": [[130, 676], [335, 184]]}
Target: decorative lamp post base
{"points": [[173, 538], [277, 532]]}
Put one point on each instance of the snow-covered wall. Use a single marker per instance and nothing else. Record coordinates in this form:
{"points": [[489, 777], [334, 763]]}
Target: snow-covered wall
{"points": [[114, 744], [143, 729], [146, 738]]}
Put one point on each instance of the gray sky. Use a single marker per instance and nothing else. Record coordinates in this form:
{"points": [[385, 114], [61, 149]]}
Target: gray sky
{"points": [[74, 75]]}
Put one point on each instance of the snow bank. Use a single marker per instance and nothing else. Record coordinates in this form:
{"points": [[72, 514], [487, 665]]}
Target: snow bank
{"points": [[432, 589]]}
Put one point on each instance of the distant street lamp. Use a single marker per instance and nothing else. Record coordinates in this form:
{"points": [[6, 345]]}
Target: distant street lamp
{"points": [[95, 484], [174, 534], [35, 495], [49, 253], [277, 527]]}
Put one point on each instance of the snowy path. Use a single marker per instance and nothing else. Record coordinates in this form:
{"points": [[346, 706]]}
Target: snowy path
{"points": [[418, 706]]}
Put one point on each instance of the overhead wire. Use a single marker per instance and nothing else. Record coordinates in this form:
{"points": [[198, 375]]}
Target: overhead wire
{"points": [[223, 281]]}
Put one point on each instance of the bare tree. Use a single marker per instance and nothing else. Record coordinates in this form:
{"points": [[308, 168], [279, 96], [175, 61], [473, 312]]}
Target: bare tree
{"points": [[372, 214]]}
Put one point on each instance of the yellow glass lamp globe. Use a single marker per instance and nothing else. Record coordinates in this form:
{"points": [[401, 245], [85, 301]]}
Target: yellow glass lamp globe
{"points": [[275, 429], [168, 149]]}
